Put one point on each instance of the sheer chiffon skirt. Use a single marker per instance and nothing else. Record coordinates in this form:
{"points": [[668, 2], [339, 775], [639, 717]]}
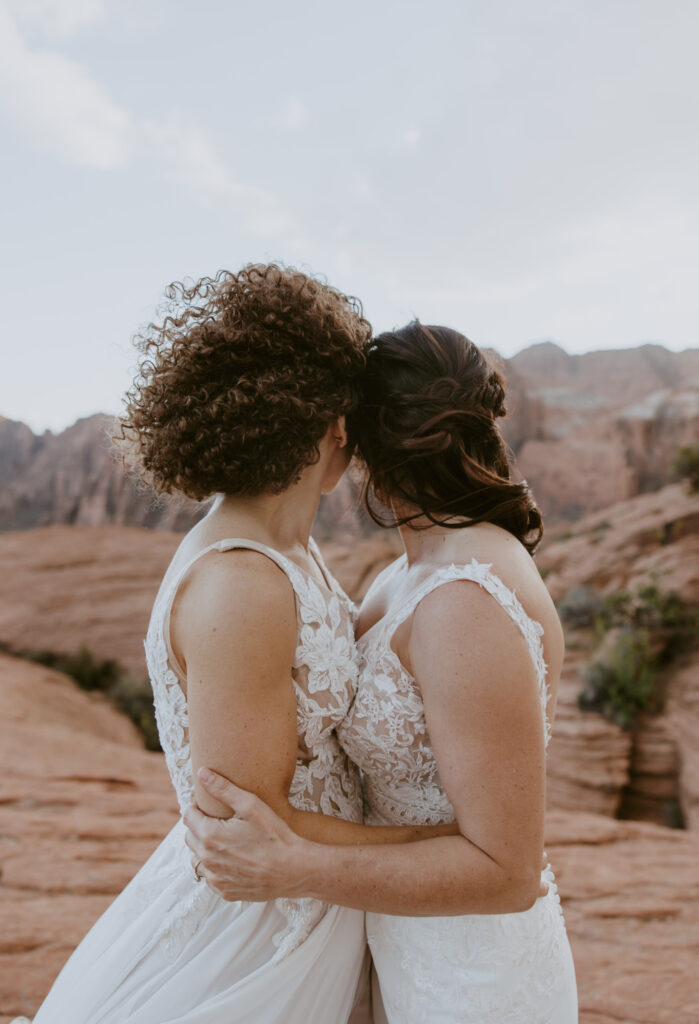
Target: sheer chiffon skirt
{"points": [[169, 951]]}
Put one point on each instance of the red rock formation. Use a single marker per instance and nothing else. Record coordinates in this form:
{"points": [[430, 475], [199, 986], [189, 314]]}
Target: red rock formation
{"points": [[624, 545], [65, 587], [682, 724], [75, 478], [630, 895], [82, 806], [589, 758], [652, 536], [608, 423], [587, 430]]}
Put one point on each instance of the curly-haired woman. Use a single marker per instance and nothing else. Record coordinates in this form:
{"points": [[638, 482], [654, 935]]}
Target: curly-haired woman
{"points": [[460, 654], [243, 392]]}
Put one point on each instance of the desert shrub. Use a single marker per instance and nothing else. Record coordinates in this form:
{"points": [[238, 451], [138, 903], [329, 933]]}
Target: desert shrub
{"points": [[580, 607], [87, 672], [652, 626], [665, 613], [134, 697], [131, 694], [623, 682], [685, 465]]}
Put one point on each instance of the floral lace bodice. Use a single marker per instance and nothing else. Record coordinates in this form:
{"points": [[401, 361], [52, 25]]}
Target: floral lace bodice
{"points": [[385, 732], [324, 678]]}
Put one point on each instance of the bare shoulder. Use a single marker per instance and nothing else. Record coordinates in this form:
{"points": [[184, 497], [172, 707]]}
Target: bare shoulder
{"points": [[464, 612], [461, 618], [235, 595], [510, 561]]}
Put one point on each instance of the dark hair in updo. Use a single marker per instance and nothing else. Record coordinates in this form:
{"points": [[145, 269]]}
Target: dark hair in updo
{"points": [[427, 432], [239, 381]]}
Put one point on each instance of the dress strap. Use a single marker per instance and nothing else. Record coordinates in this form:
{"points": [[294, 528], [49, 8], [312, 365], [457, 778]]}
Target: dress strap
{"points": [[482, 574], [317, 556], [229, 544]]}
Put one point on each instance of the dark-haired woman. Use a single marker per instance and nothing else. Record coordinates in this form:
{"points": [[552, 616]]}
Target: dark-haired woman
{"points": [[243, 392], [461, 651]]}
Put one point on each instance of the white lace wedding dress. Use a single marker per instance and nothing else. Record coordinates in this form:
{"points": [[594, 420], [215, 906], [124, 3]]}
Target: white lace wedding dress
{"points": [[169, 950], [475, 969]]}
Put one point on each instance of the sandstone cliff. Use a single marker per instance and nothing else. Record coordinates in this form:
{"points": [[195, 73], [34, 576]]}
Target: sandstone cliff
{"points": [[74, 478], [655, 768], [607, 424], [82, 806], [587, 431], [67, 587]]}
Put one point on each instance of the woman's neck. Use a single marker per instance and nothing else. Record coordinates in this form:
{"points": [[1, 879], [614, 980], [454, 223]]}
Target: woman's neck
{"points": [[282, 521], [428, 542]]}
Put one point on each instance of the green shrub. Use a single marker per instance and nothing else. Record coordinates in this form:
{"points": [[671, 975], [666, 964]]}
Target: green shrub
{"points": [[685, 465], [653, 627], [665, 613], [134, 697], [624, 682], [581, 607], [131, 694]]}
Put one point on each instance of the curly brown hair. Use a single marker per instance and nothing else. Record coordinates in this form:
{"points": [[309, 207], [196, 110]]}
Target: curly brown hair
{"points": [[427, 431], [239, 381]]}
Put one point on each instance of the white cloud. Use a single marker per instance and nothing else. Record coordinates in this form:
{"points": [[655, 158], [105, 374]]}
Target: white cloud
{"points": [[58, 104], [58, 17], [411, 137], [294, 114], [364, 190], [194, 162]]}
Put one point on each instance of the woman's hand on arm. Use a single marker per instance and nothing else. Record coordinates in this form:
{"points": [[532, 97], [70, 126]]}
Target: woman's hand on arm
{"points": [[258, 856]]}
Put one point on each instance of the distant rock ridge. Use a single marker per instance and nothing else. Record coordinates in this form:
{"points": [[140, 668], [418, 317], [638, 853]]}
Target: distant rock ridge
{"points": [[587, 431], [604, 426]]}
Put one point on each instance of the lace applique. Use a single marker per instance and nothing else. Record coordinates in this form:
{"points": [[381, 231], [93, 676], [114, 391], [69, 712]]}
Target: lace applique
{"points": [[302, 916], [324, 678], [385, 732], [191, 900], [474, 969]]}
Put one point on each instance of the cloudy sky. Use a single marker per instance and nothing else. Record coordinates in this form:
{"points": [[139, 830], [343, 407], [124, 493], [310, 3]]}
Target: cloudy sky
{"points": [[519, 169]]}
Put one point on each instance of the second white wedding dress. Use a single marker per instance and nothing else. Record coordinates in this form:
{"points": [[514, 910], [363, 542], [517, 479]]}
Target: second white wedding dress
{"points": [[470, 969], [169, 950]]}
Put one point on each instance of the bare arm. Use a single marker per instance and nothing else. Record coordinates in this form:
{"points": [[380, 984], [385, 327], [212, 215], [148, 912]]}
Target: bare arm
{"points": [[484, 717], [237, 629]]}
